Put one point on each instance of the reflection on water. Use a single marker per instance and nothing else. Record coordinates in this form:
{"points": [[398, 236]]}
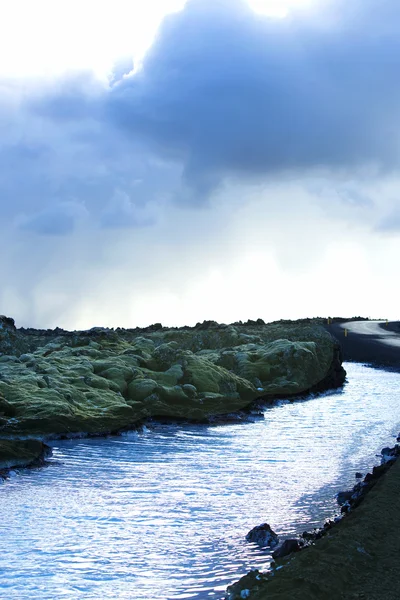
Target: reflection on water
{"points": [[164, 514]]}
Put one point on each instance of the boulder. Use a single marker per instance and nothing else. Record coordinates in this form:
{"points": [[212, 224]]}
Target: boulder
{"points": [[288, 546], [389, 454], [343, 497], [263, 535]]}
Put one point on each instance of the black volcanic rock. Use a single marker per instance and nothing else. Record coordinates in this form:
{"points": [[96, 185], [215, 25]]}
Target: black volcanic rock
{"points": [[288, 546], [263, 535]]}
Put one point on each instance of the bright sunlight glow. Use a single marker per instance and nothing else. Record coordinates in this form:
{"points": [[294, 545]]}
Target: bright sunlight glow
{"points": [[45, 38]]}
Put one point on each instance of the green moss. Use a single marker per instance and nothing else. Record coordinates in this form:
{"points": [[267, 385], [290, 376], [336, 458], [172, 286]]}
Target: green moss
{"points": [[21, 453], [79, 384], [140, 389]]}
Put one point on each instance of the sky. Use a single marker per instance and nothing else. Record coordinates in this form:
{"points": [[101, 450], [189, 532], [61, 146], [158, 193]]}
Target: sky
{"points": [[174, 161]]}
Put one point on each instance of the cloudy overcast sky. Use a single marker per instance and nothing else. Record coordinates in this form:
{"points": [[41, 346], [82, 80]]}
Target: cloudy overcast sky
{"points": [[171, 161]]}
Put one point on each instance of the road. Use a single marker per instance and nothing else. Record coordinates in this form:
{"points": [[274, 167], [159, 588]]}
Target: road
{"points": [[374, 342]]}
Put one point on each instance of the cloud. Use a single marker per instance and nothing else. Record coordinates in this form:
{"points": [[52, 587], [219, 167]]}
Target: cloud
{"points": [[50, 153], [60, 219], [70, 98], [390, 223], [121, 212], [226, 91], [247, 165]]}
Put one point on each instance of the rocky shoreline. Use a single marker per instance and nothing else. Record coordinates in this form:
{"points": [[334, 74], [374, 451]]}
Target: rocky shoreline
{"points": [[59, 384], [258, 585], [332, 564]]}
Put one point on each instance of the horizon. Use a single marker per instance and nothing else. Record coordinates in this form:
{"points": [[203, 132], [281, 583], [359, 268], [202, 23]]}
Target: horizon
{"points": [[211, 323]]}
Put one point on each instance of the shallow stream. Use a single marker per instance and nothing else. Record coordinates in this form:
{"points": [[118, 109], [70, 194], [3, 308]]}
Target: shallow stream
{"points": [[164, 514]]}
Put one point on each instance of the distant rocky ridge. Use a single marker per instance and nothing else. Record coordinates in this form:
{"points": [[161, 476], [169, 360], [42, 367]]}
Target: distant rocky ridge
{"points": [[65, 383]]}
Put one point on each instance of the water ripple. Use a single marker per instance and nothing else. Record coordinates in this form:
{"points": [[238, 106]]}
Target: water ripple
{"points": [[164, 514]]}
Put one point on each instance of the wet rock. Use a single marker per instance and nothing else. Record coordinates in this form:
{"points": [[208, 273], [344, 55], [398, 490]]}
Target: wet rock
{"points": [[263, 535], [345, 508], [376, 473], [349, 500], [389, 454], [337, 519], [308, 535], [358, 475], [328, 524], [343, 497], [288, 546]]}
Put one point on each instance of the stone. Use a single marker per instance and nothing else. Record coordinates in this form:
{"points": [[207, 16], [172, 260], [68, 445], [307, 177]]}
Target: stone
{"points": [[377, 472], [263, 535], [288, 546], [389, 454], [343, 497]]}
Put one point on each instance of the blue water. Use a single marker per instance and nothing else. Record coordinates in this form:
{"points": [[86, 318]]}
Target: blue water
{"points": [[164, 514]]}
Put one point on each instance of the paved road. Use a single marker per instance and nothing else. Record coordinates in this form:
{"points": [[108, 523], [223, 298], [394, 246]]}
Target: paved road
{"points": [[373, 342]]}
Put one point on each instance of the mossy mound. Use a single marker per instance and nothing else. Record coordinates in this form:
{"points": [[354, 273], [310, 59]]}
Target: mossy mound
{"points": [[280, 367], [102, 381]]}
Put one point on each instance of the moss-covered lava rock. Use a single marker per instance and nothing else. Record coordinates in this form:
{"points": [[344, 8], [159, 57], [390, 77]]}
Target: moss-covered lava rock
{"points": [[22, 453], [100, 381]]}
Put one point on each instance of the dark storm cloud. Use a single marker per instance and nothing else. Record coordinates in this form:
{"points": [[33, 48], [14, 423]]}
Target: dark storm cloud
{"points": [[226, 91], [223, 92], [53, 157]]}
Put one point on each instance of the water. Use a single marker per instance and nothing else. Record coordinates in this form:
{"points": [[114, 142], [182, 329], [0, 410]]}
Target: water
{"points": [[164, 514]]}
